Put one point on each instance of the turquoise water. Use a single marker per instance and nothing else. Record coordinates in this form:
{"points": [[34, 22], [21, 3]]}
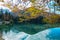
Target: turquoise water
{"points": [[27, 28], [48, 34], [54, 34], [32, 31]]}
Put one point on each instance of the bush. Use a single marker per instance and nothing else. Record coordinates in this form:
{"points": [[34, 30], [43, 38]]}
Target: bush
{"points": [[52, 19], [30, 13]]}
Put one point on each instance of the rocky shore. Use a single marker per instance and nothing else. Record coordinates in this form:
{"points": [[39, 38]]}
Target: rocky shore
{"points": [[1, 36]]}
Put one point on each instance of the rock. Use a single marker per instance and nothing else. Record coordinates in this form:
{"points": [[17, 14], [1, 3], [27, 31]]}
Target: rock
{"points": [[15, 36], [1, 36]]}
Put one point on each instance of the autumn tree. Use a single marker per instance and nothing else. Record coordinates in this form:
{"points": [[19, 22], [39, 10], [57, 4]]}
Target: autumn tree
{"points": [[52, 19]]}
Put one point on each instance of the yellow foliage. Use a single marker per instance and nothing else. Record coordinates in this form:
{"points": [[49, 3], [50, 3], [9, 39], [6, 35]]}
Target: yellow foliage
{"points": [[15, 9], [33, 11], [21, 20], [33, 14], [30, 13], [32, 1], [8, 5], [51, 19]]}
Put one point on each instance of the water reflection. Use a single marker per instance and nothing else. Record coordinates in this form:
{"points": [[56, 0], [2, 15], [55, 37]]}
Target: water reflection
{"points": [[49, 34]]}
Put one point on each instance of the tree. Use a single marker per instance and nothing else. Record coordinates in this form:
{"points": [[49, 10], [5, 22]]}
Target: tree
{"points": [[32, 1], [53, 18]]}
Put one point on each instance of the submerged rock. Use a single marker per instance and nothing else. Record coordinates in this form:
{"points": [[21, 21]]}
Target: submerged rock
{"points": [[49, 34], [1, 36], [15, 36]]}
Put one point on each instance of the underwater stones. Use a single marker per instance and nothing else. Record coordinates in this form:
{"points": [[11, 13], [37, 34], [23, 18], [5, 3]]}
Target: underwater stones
{"points": [[14, 36], [49, 34], [40, 35], [1, 36]]}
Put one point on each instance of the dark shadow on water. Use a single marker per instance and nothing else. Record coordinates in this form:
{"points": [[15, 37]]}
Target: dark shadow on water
{"points": [[27, 27]]}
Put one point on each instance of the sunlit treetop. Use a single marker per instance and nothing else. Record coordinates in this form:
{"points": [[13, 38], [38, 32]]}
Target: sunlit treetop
{"points": [[16, 4]]}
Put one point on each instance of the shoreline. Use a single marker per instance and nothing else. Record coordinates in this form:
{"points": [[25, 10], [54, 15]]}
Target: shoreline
{"points": [[1, 36]]}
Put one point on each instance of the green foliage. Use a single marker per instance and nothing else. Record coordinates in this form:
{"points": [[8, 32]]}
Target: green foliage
{"points": [[56, 4]]}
